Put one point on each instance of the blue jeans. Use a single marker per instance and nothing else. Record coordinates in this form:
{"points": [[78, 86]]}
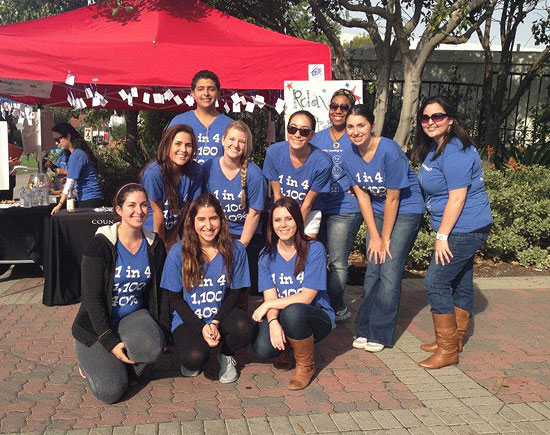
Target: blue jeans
{"points": [[452, 285], [378, 312], [299, 321], [337, 233]]}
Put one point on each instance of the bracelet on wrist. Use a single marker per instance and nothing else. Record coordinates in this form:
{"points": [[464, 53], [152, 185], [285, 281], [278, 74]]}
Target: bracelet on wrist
{"points": [[442, 237], [274, 318]]}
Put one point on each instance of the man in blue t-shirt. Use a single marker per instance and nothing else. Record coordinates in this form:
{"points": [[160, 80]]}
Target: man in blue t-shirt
{"points": [[208, 124]]}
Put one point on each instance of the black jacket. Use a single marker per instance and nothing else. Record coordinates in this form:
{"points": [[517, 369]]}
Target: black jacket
{"points": [[92, 323]]}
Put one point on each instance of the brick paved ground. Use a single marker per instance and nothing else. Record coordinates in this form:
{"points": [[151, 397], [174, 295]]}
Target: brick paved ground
{"points": [[500, 386]]}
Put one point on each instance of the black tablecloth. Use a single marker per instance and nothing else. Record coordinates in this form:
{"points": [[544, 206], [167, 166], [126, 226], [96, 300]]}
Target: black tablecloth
{"points": [[66, 237], [21, 233]]}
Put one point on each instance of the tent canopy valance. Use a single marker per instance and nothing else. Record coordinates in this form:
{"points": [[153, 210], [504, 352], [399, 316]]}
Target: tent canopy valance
{"points": [[159, 45]]}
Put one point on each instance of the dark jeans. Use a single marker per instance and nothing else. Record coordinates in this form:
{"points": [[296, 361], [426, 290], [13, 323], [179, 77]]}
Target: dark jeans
{"points": [[236, 330], [452, 285], [337, 233], [299, 321], [378, 312], [107, 376]]}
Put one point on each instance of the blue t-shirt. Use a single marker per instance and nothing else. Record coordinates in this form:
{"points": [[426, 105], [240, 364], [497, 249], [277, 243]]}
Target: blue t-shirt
{"points": [[206, 299], [62, 161], [188, 189], [132, 274], [388, 169], [229, 192], [314, 174], [338, 200], [453, 169], [276, 272], [84, 172], [209, 139]]}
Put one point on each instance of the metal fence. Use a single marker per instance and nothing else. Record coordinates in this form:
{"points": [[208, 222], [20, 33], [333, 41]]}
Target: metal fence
{"points": [[518, 127]]}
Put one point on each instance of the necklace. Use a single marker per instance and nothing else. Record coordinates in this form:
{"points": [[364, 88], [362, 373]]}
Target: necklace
{"points": [[335, 143]]}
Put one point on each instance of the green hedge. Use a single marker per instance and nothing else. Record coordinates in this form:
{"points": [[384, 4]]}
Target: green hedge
{"points": [[520, 203]]}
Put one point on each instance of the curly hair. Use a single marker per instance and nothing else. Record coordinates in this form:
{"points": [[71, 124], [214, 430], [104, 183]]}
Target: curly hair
{"points": [[193, 259]]}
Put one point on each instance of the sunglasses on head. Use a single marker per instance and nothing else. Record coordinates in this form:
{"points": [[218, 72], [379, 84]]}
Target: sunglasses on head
{"points": [[435, 117], [343, 107], [304, 131]]}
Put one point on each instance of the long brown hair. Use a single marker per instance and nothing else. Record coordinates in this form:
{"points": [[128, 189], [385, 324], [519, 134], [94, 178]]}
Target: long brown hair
{"points": [[299, 240], [192, 270], [168, 169], [242, 127], [65, 129], [422, 142]]}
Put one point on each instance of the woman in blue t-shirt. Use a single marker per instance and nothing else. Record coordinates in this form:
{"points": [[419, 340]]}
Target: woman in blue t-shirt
{"points": [[117, 331], [298, 169], [296, 310], [392, 206], [203, 275], [81, 171], [341, 213], [451, 178], [172, 180], [241, 188]]}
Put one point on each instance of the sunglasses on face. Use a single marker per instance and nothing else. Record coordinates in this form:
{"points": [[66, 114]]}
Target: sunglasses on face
{"points": [[58, 140], [304, 131], [343, 107], [435, 117]]}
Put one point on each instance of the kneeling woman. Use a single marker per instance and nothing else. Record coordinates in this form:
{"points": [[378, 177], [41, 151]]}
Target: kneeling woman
{"points": [[296, 308], [116, 331], [204, 274]]}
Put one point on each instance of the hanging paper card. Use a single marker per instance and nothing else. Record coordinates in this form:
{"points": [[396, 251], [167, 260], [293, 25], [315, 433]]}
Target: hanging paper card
{"points": [[134, 92], [168, 95], [189, 100], [237, 107], [178, 100], [146, 97], [249, 107]]}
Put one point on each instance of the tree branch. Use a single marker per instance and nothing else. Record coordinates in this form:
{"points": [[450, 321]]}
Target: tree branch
{"points": [[525, 82]]}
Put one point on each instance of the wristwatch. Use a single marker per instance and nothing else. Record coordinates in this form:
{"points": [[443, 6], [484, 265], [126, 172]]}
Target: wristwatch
{"points": [[442, 237]]}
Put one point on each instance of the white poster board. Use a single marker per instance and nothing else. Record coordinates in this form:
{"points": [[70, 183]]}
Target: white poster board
{"points": [[314, 96], [37, 137], [4, 157]]}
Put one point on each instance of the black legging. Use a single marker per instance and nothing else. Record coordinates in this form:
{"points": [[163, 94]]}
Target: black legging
{"points": [[236, 329], [299, 321]]}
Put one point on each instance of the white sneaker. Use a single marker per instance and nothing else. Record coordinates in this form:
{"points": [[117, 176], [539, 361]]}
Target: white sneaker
{"points": [[360, 342], [188, 373], [343, 314], [373, 347], [228, 369]]}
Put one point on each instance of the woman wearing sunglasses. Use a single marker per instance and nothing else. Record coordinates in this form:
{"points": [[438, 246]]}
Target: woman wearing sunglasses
{"points": [[299, 170], [341, 214], [392, 206], [451, 178], [82, 171]]}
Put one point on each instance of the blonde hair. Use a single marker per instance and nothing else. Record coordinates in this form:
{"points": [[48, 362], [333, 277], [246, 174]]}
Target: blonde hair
{"points": [[242, 127]]}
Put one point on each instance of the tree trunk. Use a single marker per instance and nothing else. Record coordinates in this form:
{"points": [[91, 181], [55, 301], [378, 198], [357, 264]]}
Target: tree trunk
{"points": [[411, 96], [132, 146], [381, 100]]}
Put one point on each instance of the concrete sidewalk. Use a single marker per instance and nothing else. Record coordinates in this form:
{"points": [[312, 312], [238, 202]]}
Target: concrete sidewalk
{"points": [[501, 385]]}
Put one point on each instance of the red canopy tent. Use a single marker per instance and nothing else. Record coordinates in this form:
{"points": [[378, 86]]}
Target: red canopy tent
{"points": [[160, 44]]}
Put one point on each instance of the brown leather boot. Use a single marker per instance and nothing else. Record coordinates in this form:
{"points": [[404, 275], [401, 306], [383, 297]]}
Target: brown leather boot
{"points": [[284, 361], [462, 319], [305, 363], [446, 353]]}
